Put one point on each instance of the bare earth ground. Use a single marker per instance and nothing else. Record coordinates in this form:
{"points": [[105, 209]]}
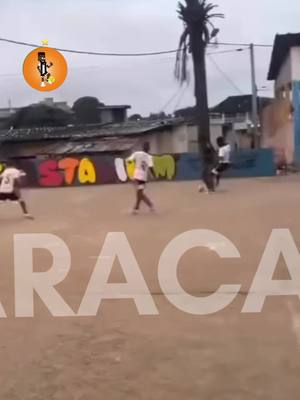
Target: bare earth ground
{"points": [[121, 355]]}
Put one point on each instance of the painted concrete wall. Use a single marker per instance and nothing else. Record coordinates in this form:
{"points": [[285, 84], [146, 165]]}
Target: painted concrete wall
{"points": [[193, 145], [192, 137], [239, 141], [168, 141], [97, 170], [285, 74], [106, 116], [215, 132], [181, 139], [278, 130], [278, 125], [281, 120], [296, 130], [295, 54]]}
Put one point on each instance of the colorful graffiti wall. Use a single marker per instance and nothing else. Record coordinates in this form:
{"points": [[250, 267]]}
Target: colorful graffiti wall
{"points": [[296, 102], [99, 170]]}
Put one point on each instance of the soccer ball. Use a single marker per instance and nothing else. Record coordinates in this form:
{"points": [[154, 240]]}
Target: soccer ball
{"points": [[51, 80]]}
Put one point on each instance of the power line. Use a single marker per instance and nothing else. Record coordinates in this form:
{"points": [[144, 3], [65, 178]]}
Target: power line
{"points": [[93, 53], [162, 59], [180, 98], [142, 54], [171, 99], [243, 44], [225, 75], [226, 51]]}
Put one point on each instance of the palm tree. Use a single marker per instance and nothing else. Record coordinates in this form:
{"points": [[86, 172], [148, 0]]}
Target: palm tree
{"points": [[198, 31]]}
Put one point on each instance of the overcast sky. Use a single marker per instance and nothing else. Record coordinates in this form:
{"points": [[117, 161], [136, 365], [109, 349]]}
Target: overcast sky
{"points": [[135, 26]]}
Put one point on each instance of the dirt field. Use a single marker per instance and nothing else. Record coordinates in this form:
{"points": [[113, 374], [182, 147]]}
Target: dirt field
{"points": [[120, 355]]}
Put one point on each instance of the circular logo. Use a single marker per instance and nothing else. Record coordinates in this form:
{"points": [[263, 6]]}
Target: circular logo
{"points": [[45, 69]]}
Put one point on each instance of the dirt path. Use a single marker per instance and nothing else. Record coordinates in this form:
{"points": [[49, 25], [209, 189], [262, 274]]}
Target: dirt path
{"points": [[121, 355]]}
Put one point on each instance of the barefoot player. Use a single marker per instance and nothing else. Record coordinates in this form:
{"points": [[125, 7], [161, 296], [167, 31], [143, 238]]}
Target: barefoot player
{"points": [[143, 164]]}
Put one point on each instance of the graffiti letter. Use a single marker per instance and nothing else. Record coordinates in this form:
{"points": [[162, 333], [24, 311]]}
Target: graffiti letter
{"points": [[87, 173], [27, 281], [164, 166], [49, 176], [130, 165], [120, 169], [69, 165], [281, 242], [116, 245], [167, 272]]}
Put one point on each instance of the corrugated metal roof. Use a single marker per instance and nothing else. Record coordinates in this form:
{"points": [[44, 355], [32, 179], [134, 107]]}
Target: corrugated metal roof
{"points": [[239, 104], [282, 46], [104, 145], [88, 131], [100, 146]]}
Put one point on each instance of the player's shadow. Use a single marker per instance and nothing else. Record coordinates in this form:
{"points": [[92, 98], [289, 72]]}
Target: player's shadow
{"points": [[11, 218], [221, 191], [10, 212], [147, 214]]}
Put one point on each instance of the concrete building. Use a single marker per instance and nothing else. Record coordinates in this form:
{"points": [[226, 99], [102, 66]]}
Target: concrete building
{"points": [[281, 120], [173, 136], [49, 101], [236, 115], [182, 138], [113, 114], [5, 115], [108, 114]]}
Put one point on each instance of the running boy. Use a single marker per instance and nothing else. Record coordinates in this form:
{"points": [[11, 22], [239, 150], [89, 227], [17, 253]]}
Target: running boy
{"points": [[10, 187], [224, 159], [143, 164]]}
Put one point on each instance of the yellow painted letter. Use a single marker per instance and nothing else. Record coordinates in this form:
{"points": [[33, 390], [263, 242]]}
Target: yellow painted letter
{"points": [[87, 173], [130, 165], [164, 167]]}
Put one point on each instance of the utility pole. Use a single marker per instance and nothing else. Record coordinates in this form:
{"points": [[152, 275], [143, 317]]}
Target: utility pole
{"points": [[254, 93]]}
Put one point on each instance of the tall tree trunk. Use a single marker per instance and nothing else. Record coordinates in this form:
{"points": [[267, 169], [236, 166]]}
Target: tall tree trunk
{"points": [[202, 110]]}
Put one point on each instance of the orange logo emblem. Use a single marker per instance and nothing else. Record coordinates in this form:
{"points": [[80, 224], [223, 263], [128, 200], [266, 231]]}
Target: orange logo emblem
{"points": [[45, 69]]}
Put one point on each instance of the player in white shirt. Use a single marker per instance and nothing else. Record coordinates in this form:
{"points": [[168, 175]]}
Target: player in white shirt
{"points": [[10, 186], [143, 164], [224, 158]]}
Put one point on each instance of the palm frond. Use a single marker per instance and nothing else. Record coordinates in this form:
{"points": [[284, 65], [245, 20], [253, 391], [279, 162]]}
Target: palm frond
{"points": [[209, 6], [206, 34], [216, 15], [197, 15], [182, 57], [210, 24]]}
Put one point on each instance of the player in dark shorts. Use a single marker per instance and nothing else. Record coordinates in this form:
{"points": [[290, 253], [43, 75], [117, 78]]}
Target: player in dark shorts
{"points": [[143, 164], [10, 187]]}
